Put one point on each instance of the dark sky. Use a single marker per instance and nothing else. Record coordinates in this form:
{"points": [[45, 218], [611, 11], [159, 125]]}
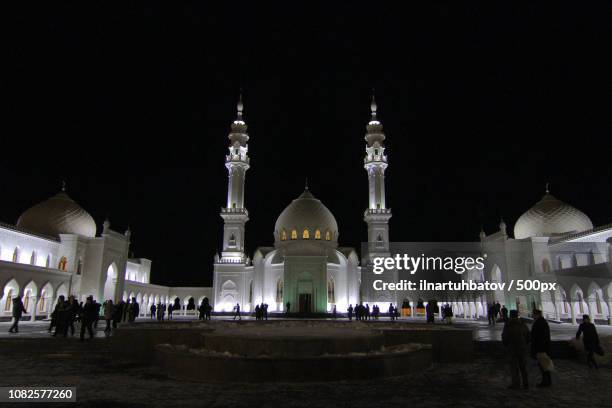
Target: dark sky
{"points": [[482, 103]]}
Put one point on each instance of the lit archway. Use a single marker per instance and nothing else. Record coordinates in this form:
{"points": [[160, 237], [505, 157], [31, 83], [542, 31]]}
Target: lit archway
{"points": [[110, 284]]}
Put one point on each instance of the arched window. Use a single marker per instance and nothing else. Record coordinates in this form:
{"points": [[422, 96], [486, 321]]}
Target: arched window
{"points": [[306, 234], [80, 267], [41, 303], [9, 296], [580, 305], [279, 291], [565, 304], [26, 300], [232, 240], [318, 234], [597, 302], [379, 238], [545, 265], [293, 234], [16, 254], [327, 235], [48, 263], [33, 258], [63, 264], [283, 235], [331, 291]]}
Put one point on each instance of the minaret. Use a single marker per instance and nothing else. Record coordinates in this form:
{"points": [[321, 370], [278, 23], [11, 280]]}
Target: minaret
{"points": [[235, 215], [375, 162]]}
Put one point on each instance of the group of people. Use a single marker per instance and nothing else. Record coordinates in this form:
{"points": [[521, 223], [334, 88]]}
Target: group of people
{"points": [[447, 314], [496, 312], [520, 342], [261, 312], [363, 312], [204, 310]]}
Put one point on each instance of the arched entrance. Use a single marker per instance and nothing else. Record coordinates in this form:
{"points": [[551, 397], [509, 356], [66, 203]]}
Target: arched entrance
{"points": [[110, 284]]}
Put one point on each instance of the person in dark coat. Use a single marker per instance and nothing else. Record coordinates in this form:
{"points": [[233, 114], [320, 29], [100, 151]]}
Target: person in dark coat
{"points": [[90, 314], [118, 313], [590, 339], [515, 337], [153, 309], [61, 318], [350, 312], [18, 310], [504, 313], [540, 343], [135, 312]]}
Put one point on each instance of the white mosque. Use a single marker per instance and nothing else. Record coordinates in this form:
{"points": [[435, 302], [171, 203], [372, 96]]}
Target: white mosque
{"points": [[54, 249]]}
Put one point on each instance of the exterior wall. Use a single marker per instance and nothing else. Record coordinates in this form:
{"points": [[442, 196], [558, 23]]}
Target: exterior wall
{"points": [[26, 244], [230, 283]]}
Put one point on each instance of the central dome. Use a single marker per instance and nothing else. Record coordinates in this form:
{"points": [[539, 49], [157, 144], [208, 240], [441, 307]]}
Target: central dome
{"points": [[306, 218], [58, 215], [549, 217]]}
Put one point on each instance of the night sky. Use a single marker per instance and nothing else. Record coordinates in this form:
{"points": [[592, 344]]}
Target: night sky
{"points": [[131, 104]]}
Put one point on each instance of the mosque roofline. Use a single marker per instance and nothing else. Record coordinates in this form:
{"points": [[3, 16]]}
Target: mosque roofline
{"points": [[575, 235], [28, 232]]}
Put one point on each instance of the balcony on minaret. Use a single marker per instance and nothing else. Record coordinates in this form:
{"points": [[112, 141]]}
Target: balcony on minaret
{"points": [[234, 211], [377, 211], [375, 154], [237, 155]]}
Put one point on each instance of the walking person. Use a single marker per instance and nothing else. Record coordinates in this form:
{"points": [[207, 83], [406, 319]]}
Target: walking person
{"points": [[237, 311], [109, 309], [89, 317], [540, 347], [18, 310], [590, 339], [515, 337]]}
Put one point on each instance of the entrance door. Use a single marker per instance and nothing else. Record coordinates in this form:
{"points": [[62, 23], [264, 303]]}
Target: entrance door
{"points": [[305, 303]]}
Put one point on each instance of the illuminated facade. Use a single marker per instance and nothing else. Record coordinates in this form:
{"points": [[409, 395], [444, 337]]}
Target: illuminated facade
{"points": [[53, 250]]}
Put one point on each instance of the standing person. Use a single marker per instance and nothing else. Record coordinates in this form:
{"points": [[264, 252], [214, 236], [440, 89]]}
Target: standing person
{"points": [[72, 309], [334, 312], [61, 320], [515, 337], [590, 339], [237, 312], [108, 315], [97, 307], [350, 312], [540, 346], [504, 313], [135, 310], [18, 310], [288, 308], [55, 314], [491, 314], [257, 312], [118, 313], [170, 310], [265, 311], [89, 317], [391, 311], [497, 310], [153, 309]]}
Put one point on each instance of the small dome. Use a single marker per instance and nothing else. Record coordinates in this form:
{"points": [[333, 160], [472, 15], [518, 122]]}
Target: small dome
{"points": [[549, 217], [306, 213], [58, 215]]}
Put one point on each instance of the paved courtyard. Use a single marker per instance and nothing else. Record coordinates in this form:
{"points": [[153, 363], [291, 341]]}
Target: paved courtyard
{"points": [[33, 358]]}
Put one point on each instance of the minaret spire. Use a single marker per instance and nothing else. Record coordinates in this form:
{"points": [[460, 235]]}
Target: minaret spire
{"points": [[373, 107], [239, 107]]}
